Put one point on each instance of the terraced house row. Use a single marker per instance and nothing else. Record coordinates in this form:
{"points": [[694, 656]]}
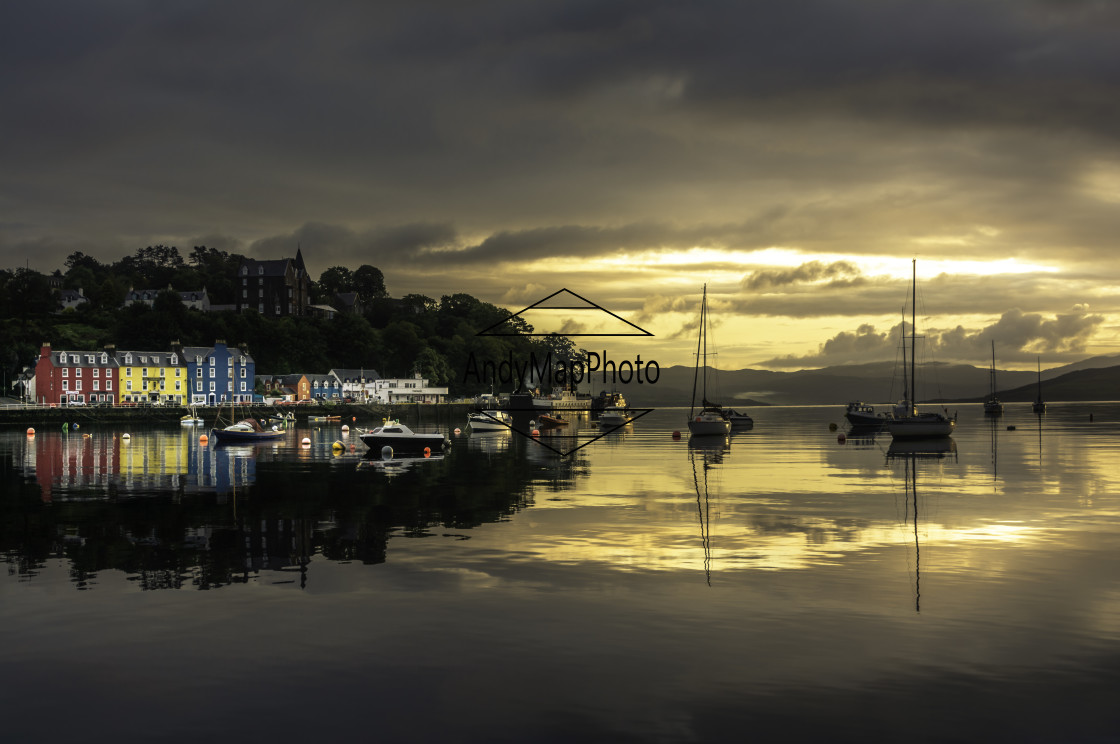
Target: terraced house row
{"points": [[192, 375]]}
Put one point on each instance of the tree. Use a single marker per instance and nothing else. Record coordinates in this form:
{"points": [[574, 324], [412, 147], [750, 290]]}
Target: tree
{"points": [[334, 280], [369, 283]]}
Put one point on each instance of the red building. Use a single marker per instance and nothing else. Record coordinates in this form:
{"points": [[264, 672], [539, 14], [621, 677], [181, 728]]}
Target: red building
{"points": [[75, 377]]}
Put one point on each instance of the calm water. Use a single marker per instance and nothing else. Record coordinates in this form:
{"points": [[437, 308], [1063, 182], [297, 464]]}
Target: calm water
{"points": [[783, 585]]}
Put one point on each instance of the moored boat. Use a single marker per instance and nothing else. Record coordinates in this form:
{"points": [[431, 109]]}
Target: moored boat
{"points": [[489, 421], [864, 416], [243, 432], [402, 439], [709, 420], [908, 422]]}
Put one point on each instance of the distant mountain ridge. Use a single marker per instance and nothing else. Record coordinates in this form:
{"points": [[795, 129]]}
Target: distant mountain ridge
{"points": [[1096, 378]]}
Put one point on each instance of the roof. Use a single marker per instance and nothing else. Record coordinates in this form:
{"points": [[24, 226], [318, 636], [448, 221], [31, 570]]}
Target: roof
{"points": [[349, 375]]}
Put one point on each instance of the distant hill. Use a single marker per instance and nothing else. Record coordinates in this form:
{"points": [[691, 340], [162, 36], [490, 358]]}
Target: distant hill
{"points": [[1092, 379]]}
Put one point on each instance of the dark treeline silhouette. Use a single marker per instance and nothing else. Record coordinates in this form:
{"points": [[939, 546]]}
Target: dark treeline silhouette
{"points": [[398, 337]]}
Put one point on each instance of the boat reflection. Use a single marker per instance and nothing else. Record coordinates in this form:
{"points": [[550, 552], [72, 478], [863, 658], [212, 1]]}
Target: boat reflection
{"points": [[394, 466], [703, 460], [923, 448]]}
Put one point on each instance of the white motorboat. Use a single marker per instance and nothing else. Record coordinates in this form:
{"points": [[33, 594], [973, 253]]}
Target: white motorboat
{"points": [[614, 416], [709, 420], [402, 439], [489, 421]]}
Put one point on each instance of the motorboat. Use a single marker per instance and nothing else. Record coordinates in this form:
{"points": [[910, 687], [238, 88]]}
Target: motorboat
{"points": [[191, 419], [738, 419], [614, 416], [864, 416], [546, 421], [402, 439], [710, 419], [489, 421]]}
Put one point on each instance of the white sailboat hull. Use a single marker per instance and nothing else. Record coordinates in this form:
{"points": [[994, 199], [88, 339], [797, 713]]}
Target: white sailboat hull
{"points": [[707, 425]]}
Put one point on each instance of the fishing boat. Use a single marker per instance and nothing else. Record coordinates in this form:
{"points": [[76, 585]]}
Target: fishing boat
{"points": [[908, 422], [992, 404], [709, 420], [863, 416], [401, 438], [738, 419], [1039, 406], [489, 421]]}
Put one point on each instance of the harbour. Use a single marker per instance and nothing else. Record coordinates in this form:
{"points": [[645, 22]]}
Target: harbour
{"points": [[642, 587]]}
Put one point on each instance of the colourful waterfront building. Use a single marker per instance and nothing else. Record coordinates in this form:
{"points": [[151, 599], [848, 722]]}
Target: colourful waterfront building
{"points": [[75, 377], [218, 374], [156, 377]]}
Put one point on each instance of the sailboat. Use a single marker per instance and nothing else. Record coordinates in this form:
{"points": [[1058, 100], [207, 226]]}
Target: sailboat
{"points": [[992, 404], [245, 431], [1039, 406], [709, 420], [909, 423]]}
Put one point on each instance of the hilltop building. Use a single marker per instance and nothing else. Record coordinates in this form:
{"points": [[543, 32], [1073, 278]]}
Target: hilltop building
{"points": [[274, 288]]}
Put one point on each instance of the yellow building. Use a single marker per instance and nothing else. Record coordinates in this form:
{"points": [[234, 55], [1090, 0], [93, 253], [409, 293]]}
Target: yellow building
{"points": [[152, 377]]}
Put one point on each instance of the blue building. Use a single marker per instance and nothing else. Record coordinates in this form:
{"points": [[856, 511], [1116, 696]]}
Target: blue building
{"points": [[219, 374]]}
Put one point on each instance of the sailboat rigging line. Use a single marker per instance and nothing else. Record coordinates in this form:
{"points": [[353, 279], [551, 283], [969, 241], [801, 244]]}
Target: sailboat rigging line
{"points": [[696, 370]]}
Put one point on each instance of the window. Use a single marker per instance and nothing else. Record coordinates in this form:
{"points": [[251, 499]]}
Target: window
{"points": [[178, 372], [109, 372], [75, 359], [211, 372], [243, 387], [212, 386], [128, 359], [198, 386], [244, 281], [198, 371], [177, 384], [244, 293], [143, 360], [229, 386], [77, 371], [89, 358], [65, 371], [128, 385], [244, 270], [62, 357], [243, 372], [211, 361], [260, 270], [108, 384], [162, 371], [277, 308], [96, 372], [173, 360], [198, 359], [97, 384], [65, 384], [77, 384], [104, 358], [229, 361], [260, 308]]}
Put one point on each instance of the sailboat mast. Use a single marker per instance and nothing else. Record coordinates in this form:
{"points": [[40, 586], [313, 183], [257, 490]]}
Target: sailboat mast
{"points": [[696, 371], [704, 335], [913, 329]]}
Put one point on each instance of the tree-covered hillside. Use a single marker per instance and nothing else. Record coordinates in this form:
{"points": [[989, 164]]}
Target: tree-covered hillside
{"points": [[395, 336]]}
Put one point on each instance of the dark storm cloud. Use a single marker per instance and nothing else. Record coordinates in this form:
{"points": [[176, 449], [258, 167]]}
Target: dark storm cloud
{"points": [[807, 272], [470, 135]]}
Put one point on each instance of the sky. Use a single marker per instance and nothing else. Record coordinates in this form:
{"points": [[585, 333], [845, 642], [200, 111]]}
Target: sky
{"points": [[793, 156]]}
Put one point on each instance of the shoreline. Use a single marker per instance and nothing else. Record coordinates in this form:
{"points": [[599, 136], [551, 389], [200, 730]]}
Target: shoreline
{"points": [[351, 413]]}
